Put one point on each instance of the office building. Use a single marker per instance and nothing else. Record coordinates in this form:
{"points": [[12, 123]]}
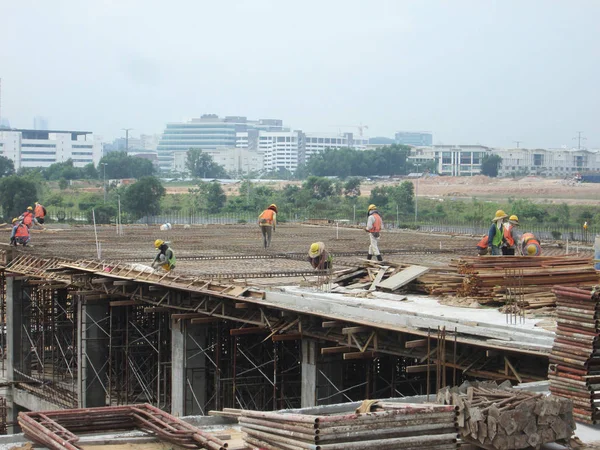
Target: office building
{"points": [[41, 148], [414, 138], [317, 142], [547, 162], [209, 132], [281, 149], [235, 161], [452, 160]]}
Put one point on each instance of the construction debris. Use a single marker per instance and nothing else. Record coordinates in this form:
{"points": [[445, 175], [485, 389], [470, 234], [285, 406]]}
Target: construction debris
{"points": [[574, 371], [57, 429], [502, 418], [388, 425]]}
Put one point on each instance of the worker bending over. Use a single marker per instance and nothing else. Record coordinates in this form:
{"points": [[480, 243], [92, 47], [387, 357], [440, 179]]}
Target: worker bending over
{"points": [[165, 257], [19, 234], [267, 222], [39, 214], [530, 245], [374, 226], [27, 217], [319, 258]]}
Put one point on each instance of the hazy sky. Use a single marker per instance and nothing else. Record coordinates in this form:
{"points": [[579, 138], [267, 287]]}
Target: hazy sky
{"points": [[479, 71]]}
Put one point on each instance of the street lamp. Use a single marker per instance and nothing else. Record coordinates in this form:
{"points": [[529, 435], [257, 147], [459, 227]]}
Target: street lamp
{"points": [[417, 194], [104, 180]]}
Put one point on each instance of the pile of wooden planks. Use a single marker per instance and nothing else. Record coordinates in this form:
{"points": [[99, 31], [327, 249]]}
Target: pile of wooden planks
{"points": [[387, 425], [500, 417], [373, 276], [574, 371]]}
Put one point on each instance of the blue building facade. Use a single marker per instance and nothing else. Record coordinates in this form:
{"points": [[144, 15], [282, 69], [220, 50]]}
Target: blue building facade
{"points": [[416, 138]]}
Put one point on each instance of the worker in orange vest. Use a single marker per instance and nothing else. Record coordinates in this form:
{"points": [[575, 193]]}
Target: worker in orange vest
{"points": [[374, 226], [27, 217], [19, 234], [267, 222], [482, 246], [530, 245], [510, 236], [39, 213]]}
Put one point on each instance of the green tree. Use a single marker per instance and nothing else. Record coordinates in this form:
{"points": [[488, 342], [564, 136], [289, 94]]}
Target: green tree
{"points": [[120, 165], [143, 197], [16, 194], [7, 168], [64, 170], [319, 187], [490, 165], [63, 184], [404, 196], [352, 187], [90, 172], [380, 195], [210, 197], [202, 165]]}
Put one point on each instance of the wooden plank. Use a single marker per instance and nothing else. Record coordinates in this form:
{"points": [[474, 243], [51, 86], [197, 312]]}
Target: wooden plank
{"points": [[402, 278], [331, 324], [242, 305], [351, 330], [416, 343], [378, 278], [420, 368], [205, 320], [124, 303], [236, 290], [287, 337], [249, 330], [512, 368], [333, 350], [360, 355]]}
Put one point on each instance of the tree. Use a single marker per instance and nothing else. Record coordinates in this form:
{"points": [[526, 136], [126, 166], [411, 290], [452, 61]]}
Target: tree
{"points": [[143, 197], [120, 165], [404, 196], [319, 187], [7, 167], [202, 165], [490, 165], [16, 194], [210, 197], [63, 184], [89, 171], [352, 187]]}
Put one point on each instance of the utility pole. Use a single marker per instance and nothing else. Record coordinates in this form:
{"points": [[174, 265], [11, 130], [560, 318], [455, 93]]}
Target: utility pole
{"points": [[417, 195], [104, 181], [579, 139], [126, 130], [518, 142]]}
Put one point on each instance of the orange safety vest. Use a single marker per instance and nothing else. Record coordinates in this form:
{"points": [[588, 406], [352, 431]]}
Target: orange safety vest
{"points": [[39, 211], [483, 243], [508, 237], [377, 224], [27, 218], [530, 238], [267, 216], [22, 231]]}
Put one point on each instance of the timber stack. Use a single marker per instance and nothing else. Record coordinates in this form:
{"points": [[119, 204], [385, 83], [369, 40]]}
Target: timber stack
{"points": [[387, 425], [503, 418], [574, 371]]}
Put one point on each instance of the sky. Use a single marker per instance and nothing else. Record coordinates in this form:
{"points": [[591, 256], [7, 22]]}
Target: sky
{"points": [[470, 71]]}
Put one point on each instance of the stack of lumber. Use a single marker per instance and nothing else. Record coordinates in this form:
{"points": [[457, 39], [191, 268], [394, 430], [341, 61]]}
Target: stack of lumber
{"points": [[388, 277], [484, 277], [501, 417], [574, 371], [390, 425]]}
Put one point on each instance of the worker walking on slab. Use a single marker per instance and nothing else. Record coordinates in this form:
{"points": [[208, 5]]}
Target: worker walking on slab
{"points": [[165, 257], [374, 226], [19, 234], [530, 245], [496, 233], [39, 213], [319, 258], [510, 236], [267, 222]]}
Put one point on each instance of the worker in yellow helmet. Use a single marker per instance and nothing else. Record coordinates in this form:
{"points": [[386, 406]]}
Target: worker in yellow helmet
{"points": [[496, 233], [165, 257], [318, 257], [511, 236], [267, 222]]}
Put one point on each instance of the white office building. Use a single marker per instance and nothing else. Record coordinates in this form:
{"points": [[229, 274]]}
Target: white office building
{"points": [[315, 142], [452, 160], [236, 161], [41, 148], [281, 149], [547, 162]]}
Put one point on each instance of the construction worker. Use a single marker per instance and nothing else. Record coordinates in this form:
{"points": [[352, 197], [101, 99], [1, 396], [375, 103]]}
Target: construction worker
{"points": [[510, 236], [496, 233], [374, 226], [39, 213], [27, 217], [318, 257], [19, 234], [267, 222], [482, 246], [530, 245], [165, 257]]}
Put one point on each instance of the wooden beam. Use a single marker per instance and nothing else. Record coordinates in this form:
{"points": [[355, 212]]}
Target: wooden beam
{"points": [[513, 370], [242, 305], [102, 280], [287, 337], [250, 330], [416, 343], [360, 355], [124, 283], [205, 320], [378, 278], [331, 324], [352, 330], [124, 303], [340, 349], [420, 368]]}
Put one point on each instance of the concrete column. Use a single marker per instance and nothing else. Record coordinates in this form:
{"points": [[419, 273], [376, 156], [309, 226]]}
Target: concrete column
{"points": [[93, 352], [188, 369], [17, 343], [308, 396]]}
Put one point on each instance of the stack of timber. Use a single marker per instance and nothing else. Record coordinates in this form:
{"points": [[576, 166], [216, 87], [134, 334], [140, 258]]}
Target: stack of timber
{"points": [[390, 426], [574, 371], [485, 277], [500, 417]]}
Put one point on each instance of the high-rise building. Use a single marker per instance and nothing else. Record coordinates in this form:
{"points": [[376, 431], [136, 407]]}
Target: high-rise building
{"points": [[209, 132], [41, 148], [317, 142], [281, 149], [40, 123], [414, 138]]}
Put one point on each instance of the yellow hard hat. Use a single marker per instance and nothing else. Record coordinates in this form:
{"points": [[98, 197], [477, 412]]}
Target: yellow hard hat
{"points": [[500, 214], [531, 250], [372, 207], [29, 208], [158, 243], [273, 206], [316, 249], [15, 219], [514, 219]]}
